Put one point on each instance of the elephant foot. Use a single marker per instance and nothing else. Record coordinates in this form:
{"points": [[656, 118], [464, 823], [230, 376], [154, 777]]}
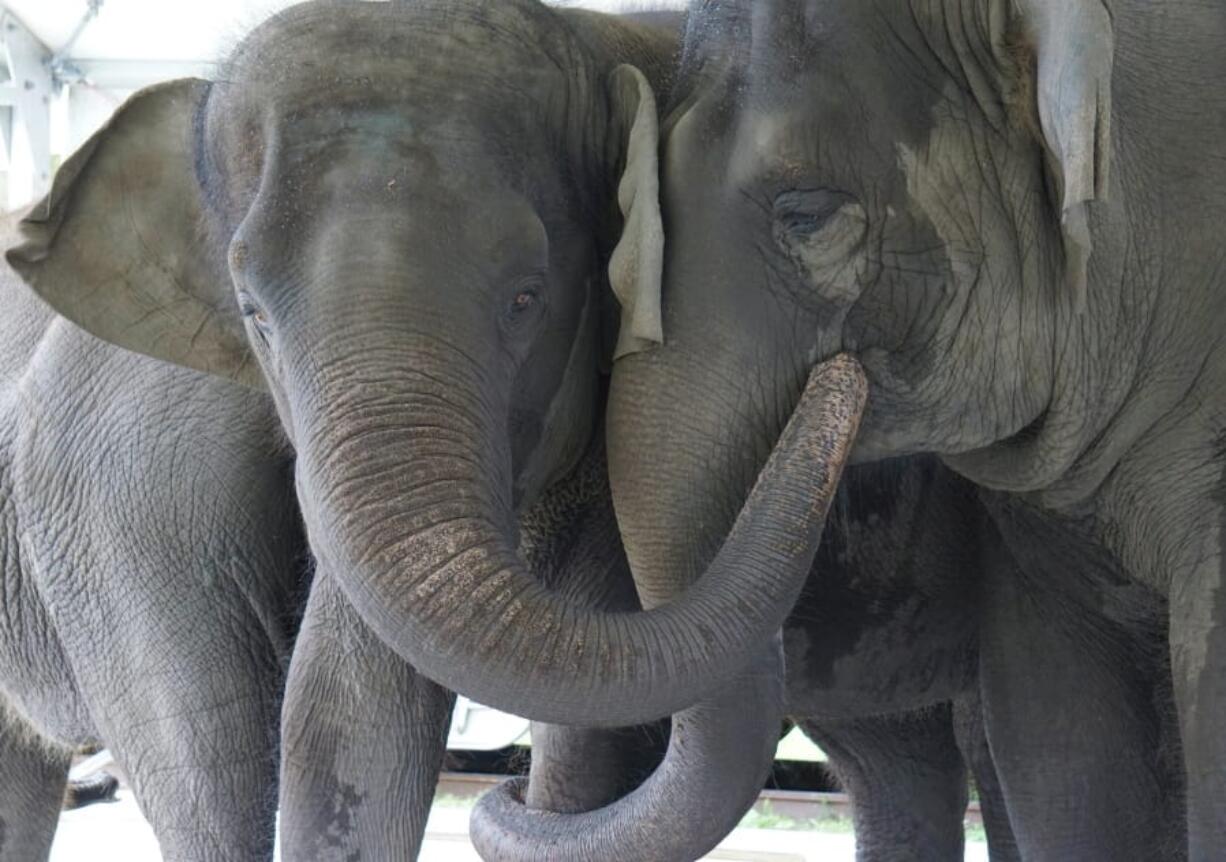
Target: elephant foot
{"points": [[99, 787]]}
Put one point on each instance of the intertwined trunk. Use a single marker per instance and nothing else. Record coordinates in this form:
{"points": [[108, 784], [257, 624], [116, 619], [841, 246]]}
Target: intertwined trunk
{"points": [[718, 758], [404, 481], [721, 749]]}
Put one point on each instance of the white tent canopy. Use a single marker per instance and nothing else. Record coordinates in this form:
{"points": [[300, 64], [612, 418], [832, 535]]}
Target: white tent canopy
{"points": [[126, 45]]}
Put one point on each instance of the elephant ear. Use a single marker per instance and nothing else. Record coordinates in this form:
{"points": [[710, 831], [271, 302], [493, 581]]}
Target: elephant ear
{"points": [[636, 269], [118, 246], [1073, 41]]}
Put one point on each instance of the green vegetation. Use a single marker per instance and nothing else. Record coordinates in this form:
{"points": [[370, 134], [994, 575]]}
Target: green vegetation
{"points": [[764, 816]]}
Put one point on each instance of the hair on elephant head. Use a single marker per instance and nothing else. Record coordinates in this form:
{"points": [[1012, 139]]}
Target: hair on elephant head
{"points": [[396, 217]]}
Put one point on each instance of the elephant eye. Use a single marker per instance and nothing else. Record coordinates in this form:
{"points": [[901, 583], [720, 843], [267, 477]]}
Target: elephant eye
{"points": [[526, 299], [255, 314], [523, 301], [819, 228], [801, 214], [823, 232]]}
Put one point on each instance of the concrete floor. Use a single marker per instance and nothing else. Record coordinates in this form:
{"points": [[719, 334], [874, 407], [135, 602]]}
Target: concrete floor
{"points": [[117, 831]]}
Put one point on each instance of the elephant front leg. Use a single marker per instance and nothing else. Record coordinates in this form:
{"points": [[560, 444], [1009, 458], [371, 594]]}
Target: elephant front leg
{"points": [[578, 769], [34, 774], [973, 743], [906, 780], [1072, 723], [1198, 665], [363, 741]]}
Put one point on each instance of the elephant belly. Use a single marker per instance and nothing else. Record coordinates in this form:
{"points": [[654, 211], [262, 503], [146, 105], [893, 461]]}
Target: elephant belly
{"points": [[921, 656]]}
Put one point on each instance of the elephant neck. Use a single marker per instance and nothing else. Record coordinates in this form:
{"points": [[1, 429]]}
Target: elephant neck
{"points": [[1142, 366], [1126, 373]]}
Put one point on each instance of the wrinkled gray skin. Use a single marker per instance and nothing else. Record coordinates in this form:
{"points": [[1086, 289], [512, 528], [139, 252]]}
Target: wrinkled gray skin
{"points": [[882, 659], [152, 563], [409, 254], [883, 647], [155, 567], [919, 182]]}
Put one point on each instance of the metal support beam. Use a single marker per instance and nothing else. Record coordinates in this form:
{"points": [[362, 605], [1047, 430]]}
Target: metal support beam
{"points": [[63, 69], [29, 93], [135, 74]]}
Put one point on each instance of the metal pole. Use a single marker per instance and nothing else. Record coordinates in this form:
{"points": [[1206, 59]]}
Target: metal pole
{"points": [[29, 93]]}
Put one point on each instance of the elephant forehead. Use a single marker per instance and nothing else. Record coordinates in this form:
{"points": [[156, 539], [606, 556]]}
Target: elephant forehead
{"points": [[440, 62], [777, 143]]}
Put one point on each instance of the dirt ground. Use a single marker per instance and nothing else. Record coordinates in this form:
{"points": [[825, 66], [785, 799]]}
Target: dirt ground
{"points": [[118, 831]]}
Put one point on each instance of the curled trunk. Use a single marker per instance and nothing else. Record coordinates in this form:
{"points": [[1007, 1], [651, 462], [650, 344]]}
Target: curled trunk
{"points": [[425, 553], [719, 755]]}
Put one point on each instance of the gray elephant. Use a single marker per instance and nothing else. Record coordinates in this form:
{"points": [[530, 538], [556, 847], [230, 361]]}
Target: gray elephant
{"points": [[881, 653], [156, 571], [153, 566], [409, 256], [1006, 211]]}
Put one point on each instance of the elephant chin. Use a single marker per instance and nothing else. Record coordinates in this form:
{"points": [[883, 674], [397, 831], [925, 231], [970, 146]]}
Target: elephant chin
{"points": [[719, 756]]}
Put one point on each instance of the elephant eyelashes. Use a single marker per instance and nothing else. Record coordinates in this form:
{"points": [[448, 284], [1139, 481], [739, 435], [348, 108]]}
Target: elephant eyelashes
{"points": [[255, 315], [526, 302], [823, 233]]}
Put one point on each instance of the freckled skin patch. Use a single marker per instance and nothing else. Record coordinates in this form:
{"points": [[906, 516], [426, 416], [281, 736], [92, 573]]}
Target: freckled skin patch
{"points": [[338, 831]]}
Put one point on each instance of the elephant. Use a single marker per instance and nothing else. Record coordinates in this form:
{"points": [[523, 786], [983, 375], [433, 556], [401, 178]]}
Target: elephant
{"points": [[1004, 212], [882, 671], [153, 565], [155, 571], [90, 790], [409, 257]]}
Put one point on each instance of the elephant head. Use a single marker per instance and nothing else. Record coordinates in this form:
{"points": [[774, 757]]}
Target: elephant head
{"points": [[395, 217], [907, 182]]}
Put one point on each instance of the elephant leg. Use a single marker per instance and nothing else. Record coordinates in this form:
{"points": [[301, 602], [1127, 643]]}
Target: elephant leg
{"points": [[1071, 724], [192, 722], [1198, 666], [581, 769], [363, 738], [906, 779], [35, 772], [973, 743]]}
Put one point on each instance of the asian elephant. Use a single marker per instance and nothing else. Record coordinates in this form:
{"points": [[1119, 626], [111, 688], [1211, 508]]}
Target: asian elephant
{"points": [[396, 218], [1007, 210], [153, 568], [881, 653], [155, 572]]}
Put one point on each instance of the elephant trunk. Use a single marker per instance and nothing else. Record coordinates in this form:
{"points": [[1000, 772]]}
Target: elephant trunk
{"points": [[719, 755], [415, 517]]}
